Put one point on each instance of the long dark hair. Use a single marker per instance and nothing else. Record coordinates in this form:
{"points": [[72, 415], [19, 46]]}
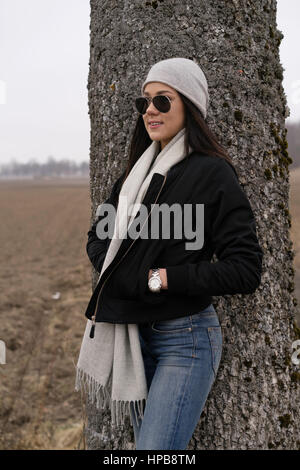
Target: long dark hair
{"points": [[198, 136]]}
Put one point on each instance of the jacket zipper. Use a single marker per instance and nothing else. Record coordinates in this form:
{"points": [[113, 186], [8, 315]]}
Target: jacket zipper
{"points": [[92, 331]]}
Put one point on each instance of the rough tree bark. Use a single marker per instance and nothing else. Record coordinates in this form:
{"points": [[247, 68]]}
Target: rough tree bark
{"points": [[254, 402]]}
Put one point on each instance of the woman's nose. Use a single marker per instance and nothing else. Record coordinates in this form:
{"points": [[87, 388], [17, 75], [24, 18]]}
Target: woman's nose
{"points": [[151, 108]]}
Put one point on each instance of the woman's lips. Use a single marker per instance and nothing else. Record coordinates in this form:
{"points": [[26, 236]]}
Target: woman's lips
{"points": [[155, 126]]}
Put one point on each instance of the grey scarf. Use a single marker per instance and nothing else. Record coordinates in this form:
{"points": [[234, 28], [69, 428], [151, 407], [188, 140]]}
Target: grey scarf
{"points": [[110, 366]]}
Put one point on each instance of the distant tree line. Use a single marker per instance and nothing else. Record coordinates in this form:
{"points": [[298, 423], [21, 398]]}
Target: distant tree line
{"points": [[68, 168], [51, 168]]}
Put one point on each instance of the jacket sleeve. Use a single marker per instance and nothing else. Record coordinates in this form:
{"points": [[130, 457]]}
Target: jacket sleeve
{"points": [[234, 240], [96, 247]]}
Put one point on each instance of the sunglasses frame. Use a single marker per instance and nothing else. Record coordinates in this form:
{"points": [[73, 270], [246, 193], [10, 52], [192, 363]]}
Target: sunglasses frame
{"points": [[149, 100]]}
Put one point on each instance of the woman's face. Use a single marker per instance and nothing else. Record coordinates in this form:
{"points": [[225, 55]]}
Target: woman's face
{"points": [[171, 122]]}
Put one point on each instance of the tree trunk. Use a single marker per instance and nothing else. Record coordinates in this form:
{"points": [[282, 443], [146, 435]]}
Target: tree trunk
{"points": [[254, 402]]}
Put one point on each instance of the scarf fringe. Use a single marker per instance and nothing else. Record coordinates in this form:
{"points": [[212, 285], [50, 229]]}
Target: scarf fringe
{"points": [[100, 395]]}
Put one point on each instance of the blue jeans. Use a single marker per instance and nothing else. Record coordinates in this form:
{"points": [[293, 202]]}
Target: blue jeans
{"points": [[181, 358]]}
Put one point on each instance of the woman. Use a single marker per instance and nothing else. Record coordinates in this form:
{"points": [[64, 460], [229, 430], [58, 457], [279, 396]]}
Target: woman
{"points": [[154, 296]]}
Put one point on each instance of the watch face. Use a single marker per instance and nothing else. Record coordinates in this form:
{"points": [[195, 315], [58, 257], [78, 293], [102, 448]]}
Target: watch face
{"points": [[155, 283]]}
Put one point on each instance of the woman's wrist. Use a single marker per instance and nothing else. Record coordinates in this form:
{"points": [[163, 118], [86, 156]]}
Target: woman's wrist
{"points": [[163, 277]]}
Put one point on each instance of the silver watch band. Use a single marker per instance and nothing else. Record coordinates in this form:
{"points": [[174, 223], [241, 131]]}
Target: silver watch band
{"points": [[155, 272]]}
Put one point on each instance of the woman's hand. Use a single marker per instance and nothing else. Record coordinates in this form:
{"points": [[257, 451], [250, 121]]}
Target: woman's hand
{"points": [[163, 276]]}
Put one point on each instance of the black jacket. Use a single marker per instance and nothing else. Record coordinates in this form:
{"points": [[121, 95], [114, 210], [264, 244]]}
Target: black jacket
{"points": [[123, 296]]}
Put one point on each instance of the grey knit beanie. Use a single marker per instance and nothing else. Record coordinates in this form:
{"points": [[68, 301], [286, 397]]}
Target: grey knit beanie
{"points": [[185, 76]]}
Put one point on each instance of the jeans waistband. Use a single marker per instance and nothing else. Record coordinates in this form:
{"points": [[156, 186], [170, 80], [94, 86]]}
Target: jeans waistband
{"points": [[208, 314]]}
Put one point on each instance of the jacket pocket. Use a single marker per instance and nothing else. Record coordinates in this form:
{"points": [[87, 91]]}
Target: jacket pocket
{"points": [[123, 281]]}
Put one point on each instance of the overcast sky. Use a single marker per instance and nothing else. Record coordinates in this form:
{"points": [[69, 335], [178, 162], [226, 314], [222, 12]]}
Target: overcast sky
{"points": [[44, 56]]}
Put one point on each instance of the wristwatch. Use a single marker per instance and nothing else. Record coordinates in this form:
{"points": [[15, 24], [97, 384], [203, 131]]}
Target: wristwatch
{"points": [[155, 281]]}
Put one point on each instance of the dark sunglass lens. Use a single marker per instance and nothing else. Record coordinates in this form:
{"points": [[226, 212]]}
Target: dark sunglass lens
{"points": [[141, 105], [161, 103]]}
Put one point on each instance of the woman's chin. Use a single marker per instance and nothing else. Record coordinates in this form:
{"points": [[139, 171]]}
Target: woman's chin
{"points": [[155, 137]]}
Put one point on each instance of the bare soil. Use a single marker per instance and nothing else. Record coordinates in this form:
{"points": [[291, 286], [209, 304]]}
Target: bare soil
{"points": [[42, 238], [295, 229]]}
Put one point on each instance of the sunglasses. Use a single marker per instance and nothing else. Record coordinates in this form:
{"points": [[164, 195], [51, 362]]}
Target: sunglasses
{"points": [[161, 102]]}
